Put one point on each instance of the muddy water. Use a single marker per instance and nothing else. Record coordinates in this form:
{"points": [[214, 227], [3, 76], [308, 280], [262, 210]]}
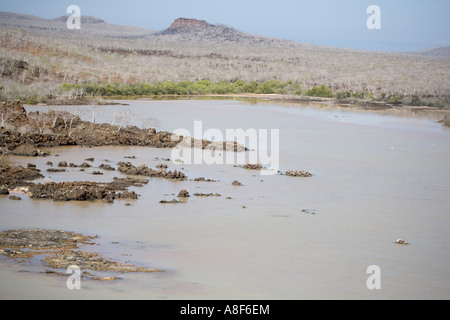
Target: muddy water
{"points": [[378, 176]]}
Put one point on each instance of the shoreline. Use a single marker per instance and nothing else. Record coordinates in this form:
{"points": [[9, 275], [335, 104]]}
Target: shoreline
{"points": [[359, 104], [56, 263]]}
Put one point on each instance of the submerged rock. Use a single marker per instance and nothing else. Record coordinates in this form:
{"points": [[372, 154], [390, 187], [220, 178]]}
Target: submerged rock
{"points": [[63, 164], [207, 195], [38, 239], [4, 190], [174, 201], [298, 173], [12, 177], [62, 250], [202, 179], [85, 165], [183, 194], [143, 170], [309, 211], [83, 191], [28, 150], [250, 166], [402, 242], [106, 167], [54, 170], [91, 261]]}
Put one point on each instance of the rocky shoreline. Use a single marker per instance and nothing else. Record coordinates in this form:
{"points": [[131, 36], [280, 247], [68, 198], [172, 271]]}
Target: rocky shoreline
{"points": [[23, 134], [61, 250]]}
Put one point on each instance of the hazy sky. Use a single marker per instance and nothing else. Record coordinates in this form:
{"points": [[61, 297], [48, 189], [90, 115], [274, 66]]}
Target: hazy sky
{"points": [[405, 24]]}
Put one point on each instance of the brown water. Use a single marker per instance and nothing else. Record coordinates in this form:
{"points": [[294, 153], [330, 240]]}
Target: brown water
{"points": [[378, 176]]}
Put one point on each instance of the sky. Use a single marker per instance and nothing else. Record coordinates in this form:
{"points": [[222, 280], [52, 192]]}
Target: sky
{"points": [[406, 25]]}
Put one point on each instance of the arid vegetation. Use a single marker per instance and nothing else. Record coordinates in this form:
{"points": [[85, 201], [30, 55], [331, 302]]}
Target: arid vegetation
{"points": [[41, 65]]}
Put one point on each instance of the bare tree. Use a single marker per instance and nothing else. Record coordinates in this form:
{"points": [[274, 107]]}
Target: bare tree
{"points": [[4, 152], [149, 123], [54, 116], [5, 114], [41, 120], [95, 110], [69, 119], [123, 119]]}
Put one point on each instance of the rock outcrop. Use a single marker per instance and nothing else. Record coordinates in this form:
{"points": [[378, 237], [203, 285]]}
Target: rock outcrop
{"points": [[187, 25], [298, 173], [12, 177], [83, 191], [62, 250], [143, 170]]}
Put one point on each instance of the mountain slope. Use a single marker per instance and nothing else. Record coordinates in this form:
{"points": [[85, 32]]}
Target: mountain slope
{"points": [[442, 52], [90, 26], [38, 55], [199, 31]]}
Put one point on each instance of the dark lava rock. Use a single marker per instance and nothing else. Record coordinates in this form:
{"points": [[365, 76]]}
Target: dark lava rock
{"points": [[91, 261], [37, 239], [63, 251], [85, 165], [54, 170], [207, 195], [298, 173], [174, 201], [106, 167], [183, 194], [252, 166], [143, 170], [202, 179], [28, 150], [12, 177], [4, 190], [83, 191]]}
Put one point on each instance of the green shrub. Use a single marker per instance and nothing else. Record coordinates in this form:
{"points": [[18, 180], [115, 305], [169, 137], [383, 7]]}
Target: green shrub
{"points": [[271, 87], [32, 100], [320, 91], [394, 99], [343, 95], [358, 95]]}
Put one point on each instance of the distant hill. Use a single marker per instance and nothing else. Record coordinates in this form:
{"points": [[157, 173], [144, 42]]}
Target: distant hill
{"points": [[39, 55], [182, 30], [442, 52], [91, 26], [200, 31]]}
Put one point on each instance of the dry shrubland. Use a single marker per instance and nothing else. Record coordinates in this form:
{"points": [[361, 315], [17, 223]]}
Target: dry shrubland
{"points": [[35, 63]]}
